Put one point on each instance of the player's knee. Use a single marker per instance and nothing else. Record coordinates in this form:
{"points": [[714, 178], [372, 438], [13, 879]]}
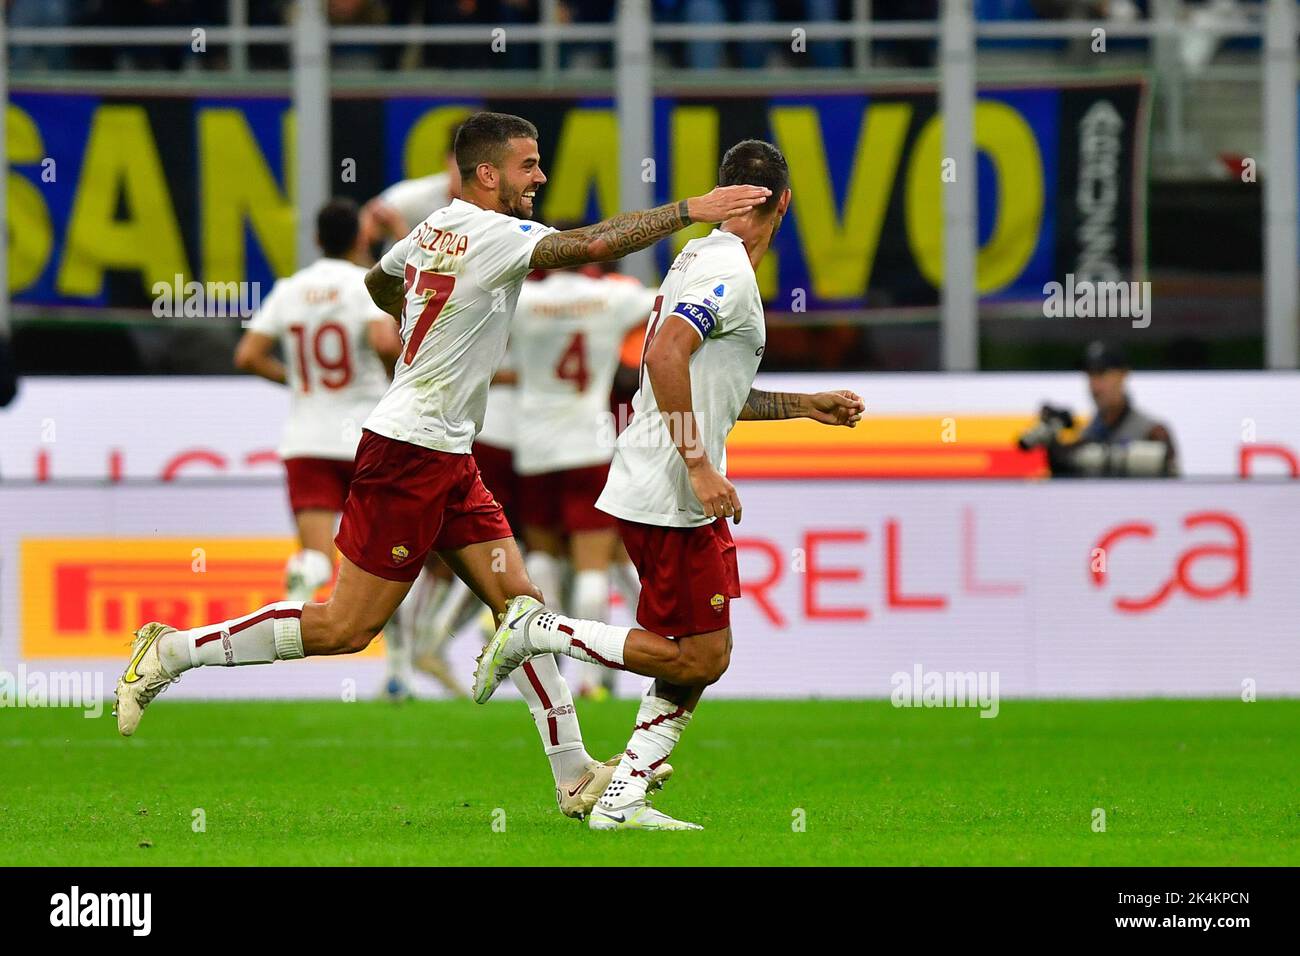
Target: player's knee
{"points": [[359, 637], [717, 666], [700, 667], [350, 636]]}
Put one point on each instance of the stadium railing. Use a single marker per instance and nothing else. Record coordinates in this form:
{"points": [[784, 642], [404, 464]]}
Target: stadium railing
{"points": [[633, 36]]}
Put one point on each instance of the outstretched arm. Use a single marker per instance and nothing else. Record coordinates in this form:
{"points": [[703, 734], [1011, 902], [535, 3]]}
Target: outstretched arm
{"points": [[626, 233], [829, 408]]}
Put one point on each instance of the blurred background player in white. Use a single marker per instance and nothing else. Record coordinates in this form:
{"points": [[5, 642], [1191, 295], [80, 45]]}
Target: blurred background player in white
{"points": [[339, 353], [668, 488], [567, 333], [407, 203]]}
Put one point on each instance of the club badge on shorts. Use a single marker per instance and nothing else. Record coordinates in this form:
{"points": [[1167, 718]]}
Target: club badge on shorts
{"points": [[400, 554], [717, 602]]}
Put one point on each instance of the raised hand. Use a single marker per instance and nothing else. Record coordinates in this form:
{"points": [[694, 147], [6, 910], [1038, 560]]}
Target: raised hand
{"points": [[724, 202]]}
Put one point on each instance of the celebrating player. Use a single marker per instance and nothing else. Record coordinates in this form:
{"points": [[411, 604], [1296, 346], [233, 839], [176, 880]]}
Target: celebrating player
{"points": [[566, 335], [668, 489], [453, 282], [341, 351]]}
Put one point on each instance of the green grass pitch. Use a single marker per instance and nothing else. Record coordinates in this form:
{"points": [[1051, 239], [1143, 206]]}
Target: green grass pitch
{"points": [[1181, 783]]}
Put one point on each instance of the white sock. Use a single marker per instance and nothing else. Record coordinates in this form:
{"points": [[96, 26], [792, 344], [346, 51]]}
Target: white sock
{"points": [[592, 641], [551, 704], [272, 633], [459, 606], [544, 571], [624, 579], [659, 725], [591, 603], [397, 643], [421, 605], [305, 573]]}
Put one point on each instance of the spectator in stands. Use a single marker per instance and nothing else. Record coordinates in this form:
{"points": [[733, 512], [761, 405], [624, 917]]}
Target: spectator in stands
{"points": [[825, 54], [708, 54], [585, 55], [918, 54], [39, 13], [356, 13], [146, 13]]}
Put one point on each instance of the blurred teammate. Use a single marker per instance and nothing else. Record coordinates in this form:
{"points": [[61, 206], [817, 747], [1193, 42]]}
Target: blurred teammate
{"points": [[567, 332], [668, 489], [407, 203], [340, 351], [453, 282]]}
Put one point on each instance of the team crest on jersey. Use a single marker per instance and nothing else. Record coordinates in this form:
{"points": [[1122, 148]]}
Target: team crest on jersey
{"points": [[400, 554], [717, 602]]}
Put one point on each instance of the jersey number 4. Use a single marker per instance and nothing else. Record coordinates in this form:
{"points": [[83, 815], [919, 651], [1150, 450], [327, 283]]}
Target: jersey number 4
{"points": [[572, 366], [438, 286]]}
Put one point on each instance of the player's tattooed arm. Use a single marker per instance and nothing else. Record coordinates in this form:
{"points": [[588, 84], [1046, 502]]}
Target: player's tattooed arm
{"points": [[388, 292], [629, 232], [763, 406], [830, 408]]}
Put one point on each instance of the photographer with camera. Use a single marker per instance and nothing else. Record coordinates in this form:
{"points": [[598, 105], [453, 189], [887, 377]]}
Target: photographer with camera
{"points": [[1119, 442]]}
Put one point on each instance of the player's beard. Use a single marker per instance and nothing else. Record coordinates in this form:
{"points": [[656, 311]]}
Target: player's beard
{"points": [[513, 201]]}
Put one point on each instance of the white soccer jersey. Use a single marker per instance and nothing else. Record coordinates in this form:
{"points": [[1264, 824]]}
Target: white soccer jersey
{"points": [[463, 267], [566, 335], [711, 285], [499, 418], [320, 315], [417, 198]]}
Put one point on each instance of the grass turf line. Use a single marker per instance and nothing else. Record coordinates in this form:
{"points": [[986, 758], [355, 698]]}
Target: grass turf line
{"points": [[1182, 783]]}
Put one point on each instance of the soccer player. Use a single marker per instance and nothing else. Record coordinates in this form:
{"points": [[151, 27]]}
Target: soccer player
{"points": [[567, 332], [340, 352], [667, 486], [453, 282]]}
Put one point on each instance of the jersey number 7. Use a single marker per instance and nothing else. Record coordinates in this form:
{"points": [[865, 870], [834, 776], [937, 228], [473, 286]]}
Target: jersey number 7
{"points": [[439, 286]]}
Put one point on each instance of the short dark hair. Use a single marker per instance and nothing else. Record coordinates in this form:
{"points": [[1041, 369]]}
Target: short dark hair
{"points": [[337, 225], [484, 138], [752, 162]]}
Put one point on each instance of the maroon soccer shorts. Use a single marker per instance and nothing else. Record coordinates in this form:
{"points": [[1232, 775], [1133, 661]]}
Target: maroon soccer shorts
{"points": [[688, 576], [407, 500], [318, 484], [564, 501]]}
